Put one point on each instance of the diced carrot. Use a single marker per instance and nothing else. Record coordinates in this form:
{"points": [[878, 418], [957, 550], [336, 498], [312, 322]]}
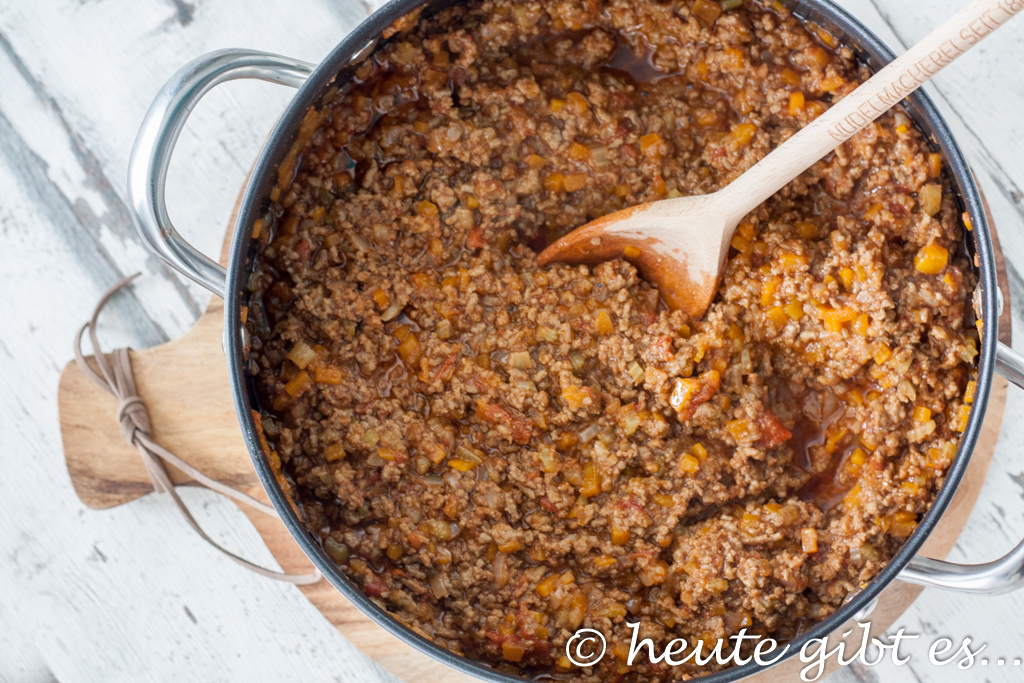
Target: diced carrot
{"points": [[513, 652], [334, 452], [809, 541], [931, 259], [790, 261], [554, 182], [795, 310], [652, 144], [970, 392], [513, 545], [817, 56], [733, 60], [831, 83], [852, 497], [591, 481], [425, 208], [299, 384], [690, 393], [579, 152], [835, 318], [796, 103], [577, 103], [768, 288], [535, 161], [409, 350], [881, 352], [629, 419], [777, 315], [548, 585], [707, 12], [743, 430], [574, 181], [791, 78], [873, 211], [576, 397], [743, 133], [689, 464], [958, 422], [749, 523], [329, 374], [902, 524], [706, 117], [846, 277], [856, 461], [603, 324]]}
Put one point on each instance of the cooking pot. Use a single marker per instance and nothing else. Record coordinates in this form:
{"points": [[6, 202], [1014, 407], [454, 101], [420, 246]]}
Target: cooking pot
{"points": [[146, 176]]}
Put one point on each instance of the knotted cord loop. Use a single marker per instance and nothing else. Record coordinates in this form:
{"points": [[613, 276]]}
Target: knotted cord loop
{"points": [[115, 376]]}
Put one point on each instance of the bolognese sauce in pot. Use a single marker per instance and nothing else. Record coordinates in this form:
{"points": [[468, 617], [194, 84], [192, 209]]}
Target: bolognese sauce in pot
{"points": [[500, 454]]}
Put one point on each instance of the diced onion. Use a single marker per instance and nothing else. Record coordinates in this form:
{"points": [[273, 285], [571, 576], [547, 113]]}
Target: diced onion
{"points": [[500, 570], [391, 311], [361, 242], [588, 433], [577, 360], [600, 155], [437, 586], [469, 453], [520, 360], [302, 354]]}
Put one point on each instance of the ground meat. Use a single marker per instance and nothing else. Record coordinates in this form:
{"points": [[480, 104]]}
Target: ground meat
{"points": [[501, 454]]}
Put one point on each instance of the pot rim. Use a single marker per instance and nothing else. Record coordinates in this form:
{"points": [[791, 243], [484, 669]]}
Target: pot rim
{"points": [[360, 42]]}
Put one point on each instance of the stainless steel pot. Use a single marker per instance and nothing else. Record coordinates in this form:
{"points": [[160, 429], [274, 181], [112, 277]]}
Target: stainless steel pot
{"points": [[147, 172]]}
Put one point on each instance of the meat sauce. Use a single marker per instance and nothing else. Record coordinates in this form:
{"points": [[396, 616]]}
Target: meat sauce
{"points": [[500, 454]]}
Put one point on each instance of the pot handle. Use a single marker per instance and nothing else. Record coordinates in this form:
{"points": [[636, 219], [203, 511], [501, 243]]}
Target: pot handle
{"points": [[151, 155], [997, 577]]}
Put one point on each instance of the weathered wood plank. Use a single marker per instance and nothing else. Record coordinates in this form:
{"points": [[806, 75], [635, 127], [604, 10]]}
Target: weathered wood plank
{"points": [[131, 594]]}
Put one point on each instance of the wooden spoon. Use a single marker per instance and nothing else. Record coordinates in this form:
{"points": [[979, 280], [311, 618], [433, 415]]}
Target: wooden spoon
{"points": [[680, 244]]}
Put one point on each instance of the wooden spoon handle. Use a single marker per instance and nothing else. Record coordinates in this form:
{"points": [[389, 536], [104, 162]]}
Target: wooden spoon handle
{"points": [[885, 89]]}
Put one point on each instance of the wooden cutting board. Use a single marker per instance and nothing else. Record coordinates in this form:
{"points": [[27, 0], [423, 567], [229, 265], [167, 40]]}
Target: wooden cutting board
{"points": [[185, 386]]}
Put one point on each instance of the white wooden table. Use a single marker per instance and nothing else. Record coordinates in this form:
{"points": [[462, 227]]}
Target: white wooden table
{"points": [[131, 594]]}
